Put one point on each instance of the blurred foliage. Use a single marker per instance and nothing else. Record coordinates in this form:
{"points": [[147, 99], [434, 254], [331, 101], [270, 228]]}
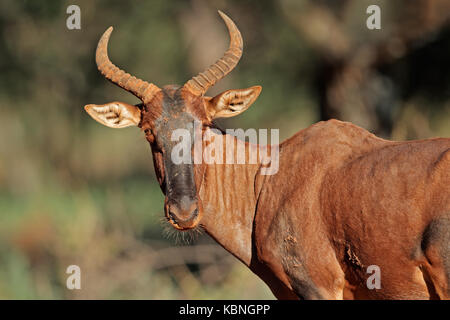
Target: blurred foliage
{"points": [[75, 192]]}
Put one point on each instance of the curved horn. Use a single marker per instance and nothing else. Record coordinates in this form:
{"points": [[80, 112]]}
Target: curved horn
{"points": [[141, 89], [203, 81]]}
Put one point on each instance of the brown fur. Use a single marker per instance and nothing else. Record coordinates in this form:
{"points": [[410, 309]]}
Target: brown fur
{"points": [[351, 200]]}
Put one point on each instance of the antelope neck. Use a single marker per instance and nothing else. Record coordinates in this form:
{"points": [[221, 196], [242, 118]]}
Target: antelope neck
{"points": [[229, 194]]}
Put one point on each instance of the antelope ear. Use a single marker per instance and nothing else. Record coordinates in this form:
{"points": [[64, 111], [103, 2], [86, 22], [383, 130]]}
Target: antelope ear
{"points": [[115, 114], [230, 103]]}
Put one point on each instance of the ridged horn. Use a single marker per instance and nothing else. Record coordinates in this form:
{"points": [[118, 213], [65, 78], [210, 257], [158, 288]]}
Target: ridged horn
{"points": [[199, 84], [141, 89]]}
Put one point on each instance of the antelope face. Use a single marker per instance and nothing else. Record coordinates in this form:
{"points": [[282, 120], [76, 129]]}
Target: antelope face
{"points": [[176, 178], [174, 109]]}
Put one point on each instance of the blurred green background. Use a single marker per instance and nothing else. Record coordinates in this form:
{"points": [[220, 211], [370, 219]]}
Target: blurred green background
{"points": [[75, 192]]}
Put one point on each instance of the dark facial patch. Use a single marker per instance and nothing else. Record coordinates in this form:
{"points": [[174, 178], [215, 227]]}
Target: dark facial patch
{"points": [[179, 182]]}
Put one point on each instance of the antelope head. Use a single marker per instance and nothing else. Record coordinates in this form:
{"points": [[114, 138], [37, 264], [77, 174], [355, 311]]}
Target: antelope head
{"points": [[172, 107]]}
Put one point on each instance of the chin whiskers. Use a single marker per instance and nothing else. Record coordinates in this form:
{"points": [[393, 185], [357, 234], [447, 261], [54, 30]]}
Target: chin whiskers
{"points": [[181, 237]]}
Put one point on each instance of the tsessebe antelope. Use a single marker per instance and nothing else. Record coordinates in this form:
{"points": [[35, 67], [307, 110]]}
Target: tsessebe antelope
{"points": [[342, 200]]}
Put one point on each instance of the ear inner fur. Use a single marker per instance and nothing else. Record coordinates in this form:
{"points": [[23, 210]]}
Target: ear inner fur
{"points": [[115, 114], [232, 102]]}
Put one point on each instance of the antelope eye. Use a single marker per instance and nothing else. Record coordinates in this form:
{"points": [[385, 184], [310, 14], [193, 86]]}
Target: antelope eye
{"points": [[149, 132]]}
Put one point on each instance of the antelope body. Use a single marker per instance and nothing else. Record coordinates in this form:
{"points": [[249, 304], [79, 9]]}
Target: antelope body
{"points": [[342, 200]]}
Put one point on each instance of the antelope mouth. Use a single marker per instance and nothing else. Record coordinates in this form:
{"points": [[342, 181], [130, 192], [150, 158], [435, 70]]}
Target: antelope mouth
{"points": [[184, 226]]}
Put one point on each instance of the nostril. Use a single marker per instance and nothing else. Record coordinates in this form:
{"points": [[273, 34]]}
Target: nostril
{"points": [[195, 213], [172, 216]]}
